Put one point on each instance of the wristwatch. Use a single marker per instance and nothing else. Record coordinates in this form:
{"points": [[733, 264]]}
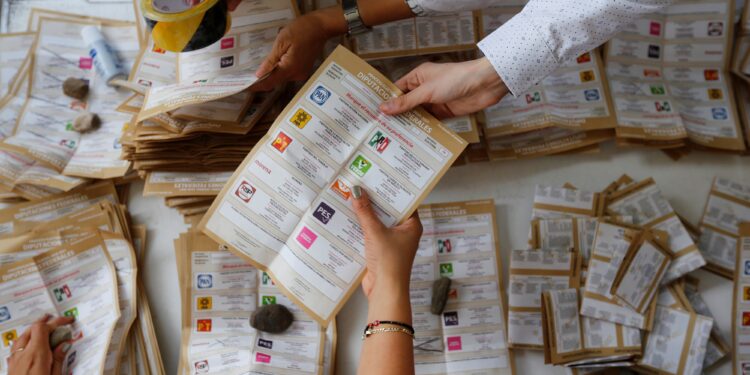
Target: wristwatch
{"points": [[353, 18]]}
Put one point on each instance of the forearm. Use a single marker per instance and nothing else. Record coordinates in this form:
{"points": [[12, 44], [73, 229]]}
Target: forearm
{"points": [[390, 352], [373, 13]]}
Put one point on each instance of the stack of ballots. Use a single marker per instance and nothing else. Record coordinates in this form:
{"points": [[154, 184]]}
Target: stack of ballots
{"points": [[76, 254], [606, 283], [193, 117]]}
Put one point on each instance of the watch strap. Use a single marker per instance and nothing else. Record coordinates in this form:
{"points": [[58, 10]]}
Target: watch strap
{"points": [[354, 22]]}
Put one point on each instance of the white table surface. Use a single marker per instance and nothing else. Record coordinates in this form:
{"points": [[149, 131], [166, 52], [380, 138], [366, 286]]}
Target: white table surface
{"points": [[511, 184]]}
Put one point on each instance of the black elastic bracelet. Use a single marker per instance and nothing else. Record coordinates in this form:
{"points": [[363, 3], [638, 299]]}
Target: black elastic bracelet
{"points": [[390, 322]]}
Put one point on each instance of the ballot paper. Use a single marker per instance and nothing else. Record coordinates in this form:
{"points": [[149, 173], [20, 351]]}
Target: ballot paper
{"points": [[25, 214], [610, 246], [669, 76], [642, 270], [419, 36], [287, 209], [552, 202], [460, 241], [567, 233], [219, 294], [572, 339], [176, 184], [649, 209], [717, 347], [741, 303], [77, 279], [727, 206], [533, 272], [14, 62], [226, 67], [44, 131], [677, 344]]}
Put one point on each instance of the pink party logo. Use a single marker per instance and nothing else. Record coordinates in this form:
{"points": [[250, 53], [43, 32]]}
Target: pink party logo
{"points": [[262, 358], [306, 237], [85, 63], [454, 343]]}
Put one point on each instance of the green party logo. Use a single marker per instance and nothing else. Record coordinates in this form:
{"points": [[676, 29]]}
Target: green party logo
{"points": [[360, 166], [446, 269], [268, 300]]}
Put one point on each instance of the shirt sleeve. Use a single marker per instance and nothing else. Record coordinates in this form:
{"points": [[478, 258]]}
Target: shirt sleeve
{"points": [[434, 7], [548, 33]]}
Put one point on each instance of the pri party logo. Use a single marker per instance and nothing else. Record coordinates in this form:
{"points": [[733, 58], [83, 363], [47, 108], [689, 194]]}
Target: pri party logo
{"points": [[379, 142], [444, 246], [201, 367], [360, 166], [62, 293]]}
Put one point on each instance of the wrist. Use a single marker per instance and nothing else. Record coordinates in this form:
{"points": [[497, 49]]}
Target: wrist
{"points": [[331, 21], [487, 76]]}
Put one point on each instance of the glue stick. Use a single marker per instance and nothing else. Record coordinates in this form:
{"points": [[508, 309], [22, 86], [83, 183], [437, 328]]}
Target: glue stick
{"points": [[108, 66]]}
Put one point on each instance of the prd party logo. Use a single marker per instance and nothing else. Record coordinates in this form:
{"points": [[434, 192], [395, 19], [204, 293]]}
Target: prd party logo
{"points": [[9, 337], [587, 76], [379, 142], [281, 142], [245, 191], [360, 166], [300, 118], [204, 303], [715, 94]]}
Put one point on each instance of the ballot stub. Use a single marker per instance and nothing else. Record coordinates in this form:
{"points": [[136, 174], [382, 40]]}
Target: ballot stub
{"points": [[460, 241], [287, 208], [727, 206], [741, 303]]}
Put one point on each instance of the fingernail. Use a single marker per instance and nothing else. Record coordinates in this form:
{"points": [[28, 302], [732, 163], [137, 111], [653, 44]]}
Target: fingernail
{"points": [[356, 191], [65, 347], [387, 106]]}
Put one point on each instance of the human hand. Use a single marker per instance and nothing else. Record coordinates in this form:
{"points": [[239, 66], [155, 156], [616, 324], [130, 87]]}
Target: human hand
{"points": [[297, 46], [31, 354], [389, 252], [448, 89]]}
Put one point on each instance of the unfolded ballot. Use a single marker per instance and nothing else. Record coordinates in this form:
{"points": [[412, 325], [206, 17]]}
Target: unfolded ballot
{"points": [[287, 208]]}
